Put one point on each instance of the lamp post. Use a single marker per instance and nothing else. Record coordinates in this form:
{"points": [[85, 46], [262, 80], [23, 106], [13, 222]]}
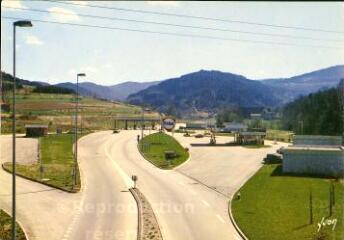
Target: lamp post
{"points": [[142, 124], [22, 23], [76, 126]]}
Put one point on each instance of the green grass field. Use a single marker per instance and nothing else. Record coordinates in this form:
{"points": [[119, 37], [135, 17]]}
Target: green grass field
{"points": [[154, 146], [276, 207], [57, 161], [5, 228]]}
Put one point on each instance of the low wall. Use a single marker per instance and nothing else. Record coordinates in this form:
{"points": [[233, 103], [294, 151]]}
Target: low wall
{"points": [[314, 161]]}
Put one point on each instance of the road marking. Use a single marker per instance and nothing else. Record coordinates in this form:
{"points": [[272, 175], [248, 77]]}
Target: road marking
{"points": [[205, 203], [129, 183], [220, 218]]}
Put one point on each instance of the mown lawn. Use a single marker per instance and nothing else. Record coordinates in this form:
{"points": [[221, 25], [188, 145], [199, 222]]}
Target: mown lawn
{"points": [[57, 161], [276, 207], [6, 228], [153, 148]]}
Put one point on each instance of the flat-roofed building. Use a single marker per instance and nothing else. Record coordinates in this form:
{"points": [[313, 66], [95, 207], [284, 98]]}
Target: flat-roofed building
{"points": [[36, 130], [318, 155], [234, 127], [250, 138]]}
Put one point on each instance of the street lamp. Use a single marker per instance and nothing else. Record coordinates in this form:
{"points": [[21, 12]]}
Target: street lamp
{"points": [[142, 124], [76, 126], [22, 23]]}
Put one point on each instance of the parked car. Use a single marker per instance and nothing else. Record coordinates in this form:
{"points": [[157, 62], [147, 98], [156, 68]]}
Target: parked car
{"points": [[273, 158], [199, 135], [280, 150]]}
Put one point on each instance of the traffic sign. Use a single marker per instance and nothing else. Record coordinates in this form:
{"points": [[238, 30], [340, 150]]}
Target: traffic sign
{"points": [[168, 123]]}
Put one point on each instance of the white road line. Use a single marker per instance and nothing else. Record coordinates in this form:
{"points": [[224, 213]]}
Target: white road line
{"points": [[205, 203], [220, 218], [129, 183]]}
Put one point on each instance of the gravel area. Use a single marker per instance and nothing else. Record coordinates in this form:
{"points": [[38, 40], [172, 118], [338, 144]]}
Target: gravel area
{"points": [[26, 153]]}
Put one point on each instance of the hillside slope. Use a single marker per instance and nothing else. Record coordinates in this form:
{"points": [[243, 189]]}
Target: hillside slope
{"points": [[115, 92], [316, 114], [208, 91], [307, 83]]}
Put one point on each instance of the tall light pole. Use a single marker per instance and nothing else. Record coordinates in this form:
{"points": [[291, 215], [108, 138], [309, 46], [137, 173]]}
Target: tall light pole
{"points": [[76, 126], [142, 124], [22, 23]]}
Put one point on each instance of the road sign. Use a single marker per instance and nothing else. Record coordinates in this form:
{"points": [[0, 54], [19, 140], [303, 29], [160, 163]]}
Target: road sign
{"points": [[168, 123]]}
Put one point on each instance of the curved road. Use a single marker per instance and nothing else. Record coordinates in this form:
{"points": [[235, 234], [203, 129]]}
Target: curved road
{"points": [[186, 208], [104, 209]]}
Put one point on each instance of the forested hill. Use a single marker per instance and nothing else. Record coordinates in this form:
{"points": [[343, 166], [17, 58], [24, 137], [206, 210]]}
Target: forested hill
{"points": [[207, 91], [319, 113]]}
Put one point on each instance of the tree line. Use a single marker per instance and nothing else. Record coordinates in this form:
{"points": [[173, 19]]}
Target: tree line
{"points": [[316, 114]]}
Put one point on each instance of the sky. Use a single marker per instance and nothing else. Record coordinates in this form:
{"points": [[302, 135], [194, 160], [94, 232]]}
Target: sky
{"points": [[56, 53]]}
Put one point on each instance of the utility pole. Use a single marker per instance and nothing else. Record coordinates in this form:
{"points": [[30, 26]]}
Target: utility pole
{"points": [[341, 96], [142, 118], [15, 24], [310, 206], [76, 128], [301, 124]]}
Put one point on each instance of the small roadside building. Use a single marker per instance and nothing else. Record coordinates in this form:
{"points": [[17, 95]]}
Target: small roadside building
{"points": [[36, 130], [318, 155], [249, 138], [234, 127]]}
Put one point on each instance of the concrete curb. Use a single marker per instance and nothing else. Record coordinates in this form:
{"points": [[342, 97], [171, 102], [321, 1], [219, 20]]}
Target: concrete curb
{"points": [[140, 227], [139, 211], [47, 184], [37, 181], [174, 168], [232, 218], [20, 224]]}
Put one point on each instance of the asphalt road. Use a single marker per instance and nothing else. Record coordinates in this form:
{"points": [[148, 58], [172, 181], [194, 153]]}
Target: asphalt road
{"points": [[185, 208], [104, 209], [224, 169]]}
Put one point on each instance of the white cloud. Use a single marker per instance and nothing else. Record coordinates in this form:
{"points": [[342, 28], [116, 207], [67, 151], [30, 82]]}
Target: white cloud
{"points": [[85, 69], [108, 65], [89, 69], [72, 71], [11, 3], [164, 3], [33, 40], [63, 14], [80, 3]]}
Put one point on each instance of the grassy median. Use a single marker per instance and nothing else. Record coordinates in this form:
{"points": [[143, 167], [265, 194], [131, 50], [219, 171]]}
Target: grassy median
{"points": [[153, 148], [6, 227], [277, 207], [56, 156]]}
